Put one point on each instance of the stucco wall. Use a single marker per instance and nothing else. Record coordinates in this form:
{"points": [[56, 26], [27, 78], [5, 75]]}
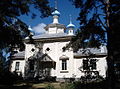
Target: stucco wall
{"points": [[55, 53]]}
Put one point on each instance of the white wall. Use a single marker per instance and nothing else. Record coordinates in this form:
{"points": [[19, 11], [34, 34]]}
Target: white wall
{"points": [[55, 30], [28, 52], [52, 30], [55, 53], [101, 65], [78, 65]]}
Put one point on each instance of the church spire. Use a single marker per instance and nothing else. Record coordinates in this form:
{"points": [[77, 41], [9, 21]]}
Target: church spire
{"points": [[70, 25], [55, 14]]}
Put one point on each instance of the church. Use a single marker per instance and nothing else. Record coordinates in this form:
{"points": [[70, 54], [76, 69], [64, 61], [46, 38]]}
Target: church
{"points": [[47, 56]]}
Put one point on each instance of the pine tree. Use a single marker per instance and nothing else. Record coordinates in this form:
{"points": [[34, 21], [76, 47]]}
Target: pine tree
{"points": [[12, 29], [100, 24]]}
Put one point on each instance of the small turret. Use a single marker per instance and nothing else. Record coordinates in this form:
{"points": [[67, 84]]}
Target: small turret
{"points": [[70, 27], [56, 15]]}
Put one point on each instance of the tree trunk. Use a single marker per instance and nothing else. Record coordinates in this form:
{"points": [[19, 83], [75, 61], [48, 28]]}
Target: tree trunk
{"points": [[110, 58]]}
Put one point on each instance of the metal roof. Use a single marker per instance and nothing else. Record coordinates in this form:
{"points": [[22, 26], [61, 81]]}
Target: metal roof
{"points": [[57, 35], [70, 25], [93, 52], [56, 12], [41, 57], [19, 55]]}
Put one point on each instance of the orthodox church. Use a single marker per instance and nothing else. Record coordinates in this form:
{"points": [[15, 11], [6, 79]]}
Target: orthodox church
{"points": [[47, 57]]}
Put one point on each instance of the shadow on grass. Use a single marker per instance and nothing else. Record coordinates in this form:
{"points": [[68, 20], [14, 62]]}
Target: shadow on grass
{"points": [[16, 87]]}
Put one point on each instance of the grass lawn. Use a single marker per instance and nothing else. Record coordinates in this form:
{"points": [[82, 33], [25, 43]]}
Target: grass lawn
{"points": [[44, 85], [31, 85]]}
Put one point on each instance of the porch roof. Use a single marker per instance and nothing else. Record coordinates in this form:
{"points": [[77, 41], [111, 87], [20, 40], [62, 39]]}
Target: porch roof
{"points": [[41, 57]]}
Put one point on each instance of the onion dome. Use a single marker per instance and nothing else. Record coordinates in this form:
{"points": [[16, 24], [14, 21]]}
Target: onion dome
{"points": [[70, 25], [56, 13]]}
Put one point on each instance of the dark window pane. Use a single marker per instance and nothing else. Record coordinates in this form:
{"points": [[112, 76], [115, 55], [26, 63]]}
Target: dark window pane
{"points": [[85, 65], [64, 64], [17, 65], [93, 63], [31, 63], [48, 49]]}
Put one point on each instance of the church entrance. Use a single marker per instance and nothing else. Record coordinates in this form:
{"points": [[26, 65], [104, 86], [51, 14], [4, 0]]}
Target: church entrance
{"points": [[40, 67]]}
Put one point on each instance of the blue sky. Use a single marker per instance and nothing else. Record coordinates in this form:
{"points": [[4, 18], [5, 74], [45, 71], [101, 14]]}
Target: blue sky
{"points": [[65, 7]]}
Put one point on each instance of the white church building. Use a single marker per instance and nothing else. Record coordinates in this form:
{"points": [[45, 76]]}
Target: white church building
{"points": [[47, 55]]}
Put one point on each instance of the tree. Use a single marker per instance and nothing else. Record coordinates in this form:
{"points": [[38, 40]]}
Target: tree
{"points": [[99, 24], [12, 29]]}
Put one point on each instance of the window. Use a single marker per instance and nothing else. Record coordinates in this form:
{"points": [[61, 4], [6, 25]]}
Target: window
{"points": [[17, 66], [85, 65], [63, 49], [32, 49], [48, 49], [64, 64], [89, 64], [93, 64]]}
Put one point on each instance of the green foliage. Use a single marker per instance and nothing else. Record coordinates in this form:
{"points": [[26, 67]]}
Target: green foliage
{"points": [[49, 86], [90, 85], [97, 18], [8, 78], [67, 86], [12, 29], [92, 32]]}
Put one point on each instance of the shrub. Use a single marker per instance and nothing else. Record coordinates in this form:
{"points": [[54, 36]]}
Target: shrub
{"points": [[8, 78], [90, 85]]}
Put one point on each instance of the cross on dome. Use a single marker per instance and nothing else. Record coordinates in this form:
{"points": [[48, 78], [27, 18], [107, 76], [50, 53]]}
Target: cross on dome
{"points": [[56, 4], [56, 12]]}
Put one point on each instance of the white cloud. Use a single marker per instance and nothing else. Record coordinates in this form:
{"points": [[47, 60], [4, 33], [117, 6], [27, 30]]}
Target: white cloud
{"points": [[39, 29]]}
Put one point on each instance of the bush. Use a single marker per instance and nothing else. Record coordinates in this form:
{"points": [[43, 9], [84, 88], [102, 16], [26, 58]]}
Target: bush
{"points": [[90, 85], [8, 78]]}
